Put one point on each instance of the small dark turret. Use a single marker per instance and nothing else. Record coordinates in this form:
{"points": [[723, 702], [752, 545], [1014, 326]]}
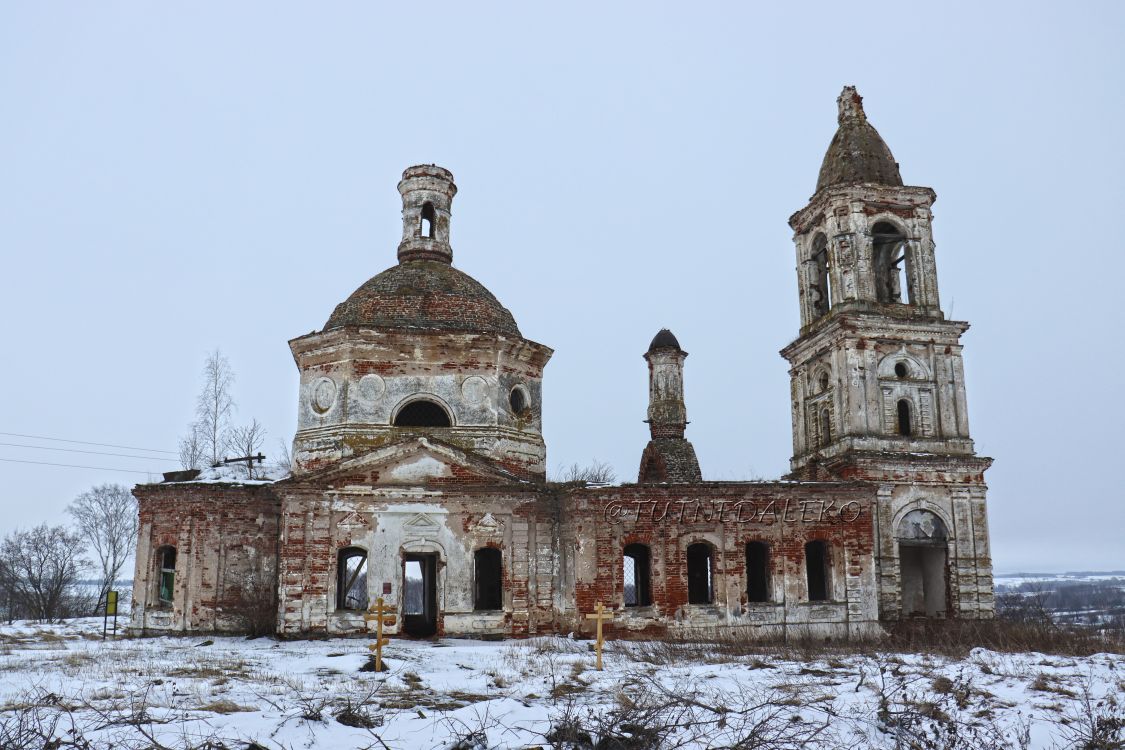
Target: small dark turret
{"points": [[669, 457]]}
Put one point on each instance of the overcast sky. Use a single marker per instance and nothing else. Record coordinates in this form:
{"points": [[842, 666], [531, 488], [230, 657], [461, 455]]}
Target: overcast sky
{"points": [[178, 178]]}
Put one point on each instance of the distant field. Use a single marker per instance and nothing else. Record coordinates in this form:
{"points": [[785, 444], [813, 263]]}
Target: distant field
{"points": [[1087, 599]]}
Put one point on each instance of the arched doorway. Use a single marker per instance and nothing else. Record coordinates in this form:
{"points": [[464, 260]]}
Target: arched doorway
{"points": [[922, 552]]}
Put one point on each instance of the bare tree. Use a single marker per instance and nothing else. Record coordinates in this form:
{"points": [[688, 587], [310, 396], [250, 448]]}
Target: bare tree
{"points": [[106, 517], [597, 472], [44, 564], [284, 459], [215, 405], [247, 440], [192, 453]]}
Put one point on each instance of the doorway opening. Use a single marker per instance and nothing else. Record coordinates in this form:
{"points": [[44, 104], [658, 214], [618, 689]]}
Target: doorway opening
{"points": [[923, 579], [923, 544], [419, 595]]}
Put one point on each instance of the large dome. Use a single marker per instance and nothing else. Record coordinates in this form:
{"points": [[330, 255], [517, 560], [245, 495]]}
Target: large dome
{"points": [[426, 295]]}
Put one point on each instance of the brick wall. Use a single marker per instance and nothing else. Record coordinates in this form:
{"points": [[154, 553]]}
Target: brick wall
{"points": [[725, 516], [225, 536]]}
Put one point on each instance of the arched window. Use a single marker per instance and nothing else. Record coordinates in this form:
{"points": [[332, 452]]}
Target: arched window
{"points": [[757, 572], [700, 568], [817, 571], [821, 286], [637, 573], [517, 399], [422, 413], [822, 382], [904, 426], [426, 228], [351, 579], [488, 592], [825, 426], [893, 264], [166, 560]]}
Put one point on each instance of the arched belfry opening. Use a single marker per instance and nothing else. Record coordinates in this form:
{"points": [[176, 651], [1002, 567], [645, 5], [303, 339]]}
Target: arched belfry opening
{"points": [[428, 221], [893, 264], [820, 289], [422, 413], [922, 552]]}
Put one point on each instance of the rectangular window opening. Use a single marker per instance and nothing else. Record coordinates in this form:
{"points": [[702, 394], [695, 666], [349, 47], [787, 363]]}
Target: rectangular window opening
{"points": [[488, 591], [351, 579], [816, 569], [167, 581], [757, 572], [636, 575]]}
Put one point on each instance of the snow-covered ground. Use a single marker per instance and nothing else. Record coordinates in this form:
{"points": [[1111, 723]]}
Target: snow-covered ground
{"points": [[185, 692]]}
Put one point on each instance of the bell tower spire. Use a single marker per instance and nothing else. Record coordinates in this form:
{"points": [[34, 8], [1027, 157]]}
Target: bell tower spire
{"points": [[877, 380]]}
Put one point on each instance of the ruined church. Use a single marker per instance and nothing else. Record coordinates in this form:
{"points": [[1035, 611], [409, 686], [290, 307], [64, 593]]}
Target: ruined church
{"points": [[419, 465]]}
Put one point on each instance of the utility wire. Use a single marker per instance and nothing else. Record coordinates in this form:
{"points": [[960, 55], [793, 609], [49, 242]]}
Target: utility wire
{"points": [[75, 466], [78, 450], [86, 442]]}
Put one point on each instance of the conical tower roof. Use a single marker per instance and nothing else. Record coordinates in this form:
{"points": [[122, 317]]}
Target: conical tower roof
{"points": [[857, 153]]}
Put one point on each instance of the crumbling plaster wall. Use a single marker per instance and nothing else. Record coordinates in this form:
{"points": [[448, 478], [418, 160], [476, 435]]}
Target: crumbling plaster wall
{"points": [[389, 522], [353, 384], [951, 487], [859, 357]]}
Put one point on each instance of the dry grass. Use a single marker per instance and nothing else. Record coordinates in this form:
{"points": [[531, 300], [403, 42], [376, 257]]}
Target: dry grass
{"points": [[949, 638], [957, 637], [224, 707]]}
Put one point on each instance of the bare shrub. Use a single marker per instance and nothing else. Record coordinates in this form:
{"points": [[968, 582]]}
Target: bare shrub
{"points": [[193, 454], [935, 719], [596, 472], [254, 612], [1093, 723], [45, 721], [650, 714], [246, 441]]}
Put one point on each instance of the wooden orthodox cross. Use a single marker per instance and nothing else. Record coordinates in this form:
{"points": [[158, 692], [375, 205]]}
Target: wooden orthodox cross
{"points": [[382, 615], [601, 615]]}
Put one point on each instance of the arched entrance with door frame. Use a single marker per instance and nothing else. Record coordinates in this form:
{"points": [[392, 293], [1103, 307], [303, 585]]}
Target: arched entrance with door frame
{"points": [[923, 543]]}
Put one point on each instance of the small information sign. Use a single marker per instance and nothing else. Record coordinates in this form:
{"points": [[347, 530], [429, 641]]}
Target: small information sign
{"points": [[110, 609]]}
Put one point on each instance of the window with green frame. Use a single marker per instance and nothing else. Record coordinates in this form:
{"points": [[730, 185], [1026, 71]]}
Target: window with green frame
{"points": [[167, 559]]}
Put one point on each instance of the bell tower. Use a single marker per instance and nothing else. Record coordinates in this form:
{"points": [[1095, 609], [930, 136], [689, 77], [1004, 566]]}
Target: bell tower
{"points": [[876, 376]]}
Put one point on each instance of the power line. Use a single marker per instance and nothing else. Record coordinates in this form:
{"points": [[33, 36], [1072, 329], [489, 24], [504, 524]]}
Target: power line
{"points": [[79, 450], [86, 442], [75, 466]]}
